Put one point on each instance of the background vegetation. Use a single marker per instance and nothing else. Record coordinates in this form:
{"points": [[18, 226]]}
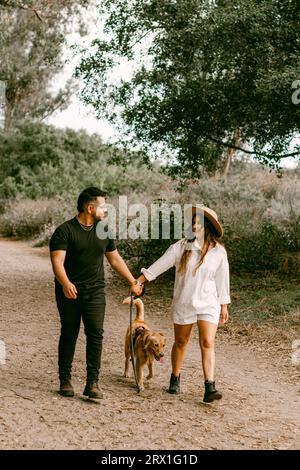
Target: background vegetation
{"points": [[43, 169], [208, 77]]}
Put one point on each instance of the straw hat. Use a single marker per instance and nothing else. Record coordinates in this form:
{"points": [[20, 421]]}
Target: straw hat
{"points": [[207, 212]]}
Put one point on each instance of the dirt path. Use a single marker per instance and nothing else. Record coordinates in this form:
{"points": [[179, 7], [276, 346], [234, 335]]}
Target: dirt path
{"points": [[260, 409]]}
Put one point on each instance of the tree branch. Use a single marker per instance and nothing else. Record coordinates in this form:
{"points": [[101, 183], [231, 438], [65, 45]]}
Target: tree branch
{"points": [[7, 3], [23, 7], [251, 152]]}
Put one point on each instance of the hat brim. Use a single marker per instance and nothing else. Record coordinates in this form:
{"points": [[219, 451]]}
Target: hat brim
{"points": [[191, 211]]}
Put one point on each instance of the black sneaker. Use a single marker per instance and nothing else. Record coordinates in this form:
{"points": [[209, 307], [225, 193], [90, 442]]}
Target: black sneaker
{"points": [[66, 389], [174, 387], [211, 393], [92, 390]]}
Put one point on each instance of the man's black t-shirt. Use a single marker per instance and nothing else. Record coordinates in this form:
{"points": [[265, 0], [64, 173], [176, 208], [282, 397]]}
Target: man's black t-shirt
{"points": [[84, 253]]}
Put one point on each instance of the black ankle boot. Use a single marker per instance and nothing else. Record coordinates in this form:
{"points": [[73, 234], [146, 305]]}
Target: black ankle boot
{"points": [[211, 393], [66, 389], [92, 390], [174, 385]]}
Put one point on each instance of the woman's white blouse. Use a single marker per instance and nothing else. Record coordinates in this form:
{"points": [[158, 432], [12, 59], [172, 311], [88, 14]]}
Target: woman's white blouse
{"points": [[199, 293]]}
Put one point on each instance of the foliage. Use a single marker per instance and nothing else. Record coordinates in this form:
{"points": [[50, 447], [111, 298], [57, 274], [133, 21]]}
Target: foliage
{"points": [[258, 298], [259, 211], [31, 43], [201, 70], [29, 219], [40, 161]]}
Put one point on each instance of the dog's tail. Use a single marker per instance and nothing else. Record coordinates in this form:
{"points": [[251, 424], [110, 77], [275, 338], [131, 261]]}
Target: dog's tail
{"points": [[139, 306]]}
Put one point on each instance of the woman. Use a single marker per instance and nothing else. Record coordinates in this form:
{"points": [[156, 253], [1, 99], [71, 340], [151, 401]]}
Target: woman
{"points": [[201, 293]]}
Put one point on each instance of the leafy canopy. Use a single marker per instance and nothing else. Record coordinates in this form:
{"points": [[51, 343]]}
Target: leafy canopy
{"points": [[202, 70]]}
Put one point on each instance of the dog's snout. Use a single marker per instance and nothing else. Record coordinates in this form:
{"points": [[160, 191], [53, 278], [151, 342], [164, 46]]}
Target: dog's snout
{"points": [[161, 354]]}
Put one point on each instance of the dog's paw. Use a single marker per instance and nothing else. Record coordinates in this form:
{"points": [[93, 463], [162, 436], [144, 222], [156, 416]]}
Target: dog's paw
{"points": [[141, 388], [126, 374], [149, 376]]}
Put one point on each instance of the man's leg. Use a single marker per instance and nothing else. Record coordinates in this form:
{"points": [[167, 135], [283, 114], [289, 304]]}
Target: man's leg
{"points": [[93, 307], [70, 315]]}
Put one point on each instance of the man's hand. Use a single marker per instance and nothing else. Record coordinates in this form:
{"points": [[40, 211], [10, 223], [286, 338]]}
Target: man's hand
{"points": [[224, 314], [136, 289], [69, 290]]}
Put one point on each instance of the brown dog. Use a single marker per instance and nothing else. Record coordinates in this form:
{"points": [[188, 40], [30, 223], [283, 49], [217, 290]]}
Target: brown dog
{"points": [[147, 344]]}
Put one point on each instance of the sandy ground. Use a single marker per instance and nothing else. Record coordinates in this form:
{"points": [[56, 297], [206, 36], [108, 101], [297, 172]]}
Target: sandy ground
{"points": [[260, 408]]}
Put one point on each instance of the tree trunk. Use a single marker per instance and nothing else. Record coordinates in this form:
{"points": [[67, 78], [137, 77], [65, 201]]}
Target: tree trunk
{"points": [[8, 115], [227, 160], [229, 154]]}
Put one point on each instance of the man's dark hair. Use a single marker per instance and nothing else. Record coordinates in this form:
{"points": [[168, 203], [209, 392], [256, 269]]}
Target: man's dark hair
{"points": [[89, 195]]}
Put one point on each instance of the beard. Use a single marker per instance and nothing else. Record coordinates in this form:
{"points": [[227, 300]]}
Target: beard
{"points": [[98, 218]]}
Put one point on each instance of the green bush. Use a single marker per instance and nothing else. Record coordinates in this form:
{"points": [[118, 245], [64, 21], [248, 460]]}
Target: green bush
{"points": [[65, 179], [254, 240], [39, 161], [32, 144], [30, 219], [43, 169]]}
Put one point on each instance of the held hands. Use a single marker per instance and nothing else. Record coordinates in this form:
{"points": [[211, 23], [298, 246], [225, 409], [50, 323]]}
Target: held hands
{"points": [[224, 314], [70, 290], [136, 289]]}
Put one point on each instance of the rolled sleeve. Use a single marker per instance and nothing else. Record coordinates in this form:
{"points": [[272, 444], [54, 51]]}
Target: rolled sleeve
{"points": [[223, 281], [165, 262], [148, 274]]}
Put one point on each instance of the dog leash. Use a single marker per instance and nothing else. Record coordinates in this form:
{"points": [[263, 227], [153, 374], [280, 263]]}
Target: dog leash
{"points": [[131, 344], [132, 355]]}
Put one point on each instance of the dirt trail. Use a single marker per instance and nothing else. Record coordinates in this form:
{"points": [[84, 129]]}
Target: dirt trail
{"points": [[260, 408]]}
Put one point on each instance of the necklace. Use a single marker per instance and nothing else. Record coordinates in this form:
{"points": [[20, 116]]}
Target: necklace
{"points": [[87, 228]]}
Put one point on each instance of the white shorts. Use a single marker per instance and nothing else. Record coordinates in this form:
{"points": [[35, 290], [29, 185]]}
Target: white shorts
{"points": [[194, 318]]}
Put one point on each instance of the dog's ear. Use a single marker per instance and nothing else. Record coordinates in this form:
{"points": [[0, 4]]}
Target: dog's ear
{"points": [[147, 341], [127, 300], [162, 334]]}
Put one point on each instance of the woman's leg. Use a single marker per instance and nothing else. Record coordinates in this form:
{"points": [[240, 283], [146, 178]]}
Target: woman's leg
{"points": [[207, 333], [182, 334]]}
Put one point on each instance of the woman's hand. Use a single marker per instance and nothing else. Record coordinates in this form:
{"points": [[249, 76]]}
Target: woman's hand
{"points": [[224, 314]]}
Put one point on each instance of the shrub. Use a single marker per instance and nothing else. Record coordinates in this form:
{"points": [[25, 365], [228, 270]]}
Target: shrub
{"points": [[28, 219], [44, 169]]}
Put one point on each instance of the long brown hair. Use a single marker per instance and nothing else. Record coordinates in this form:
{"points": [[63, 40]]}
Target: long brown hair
{"points": [[211, 237]]}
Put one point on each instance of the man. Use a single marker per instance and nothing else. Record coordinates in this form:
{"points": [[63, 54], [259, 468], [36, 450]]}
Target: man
{"points": [[77, 256]]}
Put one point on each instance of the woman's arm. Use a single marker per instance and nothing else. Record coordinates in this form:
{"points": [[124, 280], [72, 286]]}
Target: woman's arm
{"points": [[165, 262], [222, 281]]}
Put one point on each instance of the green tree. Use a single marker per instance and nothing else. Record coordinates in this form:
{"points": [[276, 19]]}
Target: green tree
{"points": [[31, 43], [211, 71]]}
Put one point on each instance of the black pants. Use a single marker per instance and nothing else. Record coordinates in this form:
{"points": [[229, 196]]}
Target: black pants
{"points": [[90, 306]]}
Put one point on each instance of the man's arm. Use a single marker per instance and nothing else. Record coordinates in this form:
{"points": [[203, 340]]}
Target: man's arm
{"points": [[118, 264], [57, 260]]}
